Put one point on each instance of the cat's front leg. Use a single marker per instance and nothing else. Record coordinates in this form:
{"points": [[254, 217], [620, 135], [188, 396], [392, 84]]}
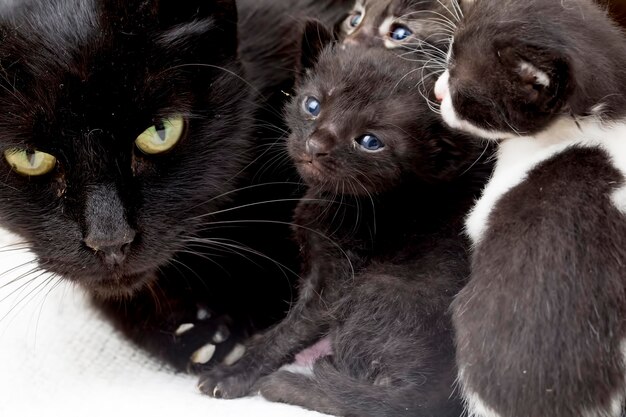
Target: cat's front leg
{"points": [[186, 334], [267, 352]]}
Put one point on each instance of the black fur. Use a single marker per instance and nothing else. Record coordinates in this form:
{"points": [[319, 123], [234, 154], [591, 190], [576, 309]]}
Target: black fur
{"points": [[380, 239], [81, 80]]}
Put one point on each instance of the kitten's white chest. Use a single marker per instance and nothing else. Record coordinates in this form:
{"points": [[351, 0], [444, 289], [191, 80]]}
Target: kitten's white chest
{"points": [[517, 156]]}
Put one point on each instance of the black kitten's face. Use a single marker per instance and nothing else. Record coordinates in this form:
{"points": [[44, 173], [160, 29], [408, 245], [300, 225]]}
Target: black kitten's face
{"points": [[354, 125], [504, 76], [116, 129], [399, 23]]}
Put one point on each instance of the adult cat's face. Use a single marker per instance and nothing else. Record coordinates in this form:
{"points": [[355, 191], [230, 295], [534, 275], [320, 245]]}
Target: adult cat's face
{"points": [[399, 23], [506, 74], [118, 125], [354, 125]]}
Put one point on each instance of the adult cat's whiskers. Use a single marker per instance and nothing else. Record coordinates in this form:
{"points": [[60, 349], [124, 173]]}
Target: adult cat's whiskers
{"points": [[257, 203], [21, 276], [279, 159], [249, 187], [32, 292], [239, 249], [277, 222]]}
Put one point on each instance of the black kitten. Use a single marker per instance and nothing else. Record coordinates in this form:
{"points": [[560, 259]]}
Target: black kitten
{"points": [[379, 230], [540, 326], [126, 132]]}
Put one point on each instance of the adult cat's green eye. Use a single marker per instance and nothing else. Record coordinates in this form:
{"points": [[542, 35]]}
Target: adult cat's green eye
{"points": [[161, 137], [28, 162]]}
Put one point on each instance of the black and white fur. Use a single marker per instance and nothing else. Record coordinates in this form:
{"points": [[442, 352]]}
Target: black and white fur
{"points": [[540, 326]]}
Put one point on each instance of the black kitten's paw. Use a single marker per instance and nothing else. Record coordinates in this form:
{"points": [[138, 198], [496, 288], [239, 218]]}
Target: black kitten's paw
{"points": [[227, 382]]}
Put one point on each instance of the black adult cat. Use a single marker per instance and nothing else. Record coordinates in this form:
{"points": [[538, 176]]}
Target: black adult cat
{"points": [[126, 129], [379, 230], [541, 324]]}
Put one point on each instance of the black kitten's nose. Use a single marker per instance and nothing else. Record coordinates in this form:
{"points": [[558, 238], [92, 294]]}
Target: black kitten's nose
{"points": [[320, 143], [316, 148]]}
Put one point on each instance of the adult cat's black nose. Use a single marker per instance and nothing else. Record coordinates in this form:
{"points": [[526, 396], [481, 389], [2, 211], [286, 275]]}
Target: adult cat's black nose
{"points": [[113, 250], [107, 230]]}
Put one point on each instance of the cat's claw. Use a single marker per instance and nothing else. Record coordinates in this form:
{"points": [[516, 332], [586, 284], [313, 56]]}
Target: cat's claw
{"points": [[226, 382]]}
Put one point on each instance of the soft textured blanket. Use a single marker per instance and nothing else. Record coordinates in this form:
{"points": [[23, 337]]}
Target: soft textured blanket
{"points": [[59, 357]]}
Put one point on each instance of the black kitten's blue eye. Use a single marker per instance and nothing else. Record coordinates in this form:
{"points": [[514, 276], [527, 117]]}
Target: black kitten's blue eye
{"points": [[355, 19], [312, 106], [370, 142], [400, 33]]}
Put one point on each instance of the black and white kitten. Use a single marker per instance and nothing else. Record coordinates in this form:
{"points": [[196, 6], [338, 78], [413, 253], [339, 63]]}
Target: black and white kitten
{"points": [[541, 326], [128, 161], [379, 230], [400, 23]]}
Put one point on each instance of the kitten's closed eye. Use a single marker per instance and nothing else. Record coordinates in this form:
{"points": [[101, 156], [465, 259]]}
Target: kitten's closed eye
{"points": [[161, 137], [30, 163]]}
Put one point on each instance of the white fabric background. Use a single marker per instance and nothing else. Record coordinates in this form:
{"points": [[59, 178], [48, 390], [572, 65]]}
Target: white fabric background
{"points": [[58, 357]]}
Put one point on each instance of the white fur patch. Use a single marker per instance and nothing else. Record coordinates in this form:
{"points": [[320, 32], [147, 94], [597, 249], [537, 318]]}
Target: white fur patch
{"points": [[517, 156], [474, 405], [541, 77], [615, 409], [452, 119]]}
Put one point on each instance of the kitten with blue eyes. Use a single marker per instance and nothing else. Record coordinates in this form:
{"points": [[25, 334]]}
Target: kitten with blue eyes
{"points": [[400, 23], [540, 327], [130, 166], [379, 231]]}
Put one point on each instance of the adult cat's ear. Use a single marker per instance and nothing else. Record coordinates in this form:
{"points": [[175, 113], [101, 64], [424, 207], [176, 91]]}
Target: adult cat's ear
{"points": [[176, 12], [181, 22], [315, 37], [209, 24], [542, 74]]}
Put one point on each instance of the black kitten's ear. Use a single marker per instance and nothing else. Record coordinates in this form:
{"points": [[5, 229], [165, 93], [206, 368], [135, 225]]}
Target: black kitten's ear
{"points": [[315, 37], [544, 75]]}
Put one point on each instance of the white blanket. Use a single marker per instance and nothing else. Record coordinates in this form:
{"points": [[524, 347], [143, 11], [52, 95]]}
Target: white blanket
{"points": [[58, 357]]}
